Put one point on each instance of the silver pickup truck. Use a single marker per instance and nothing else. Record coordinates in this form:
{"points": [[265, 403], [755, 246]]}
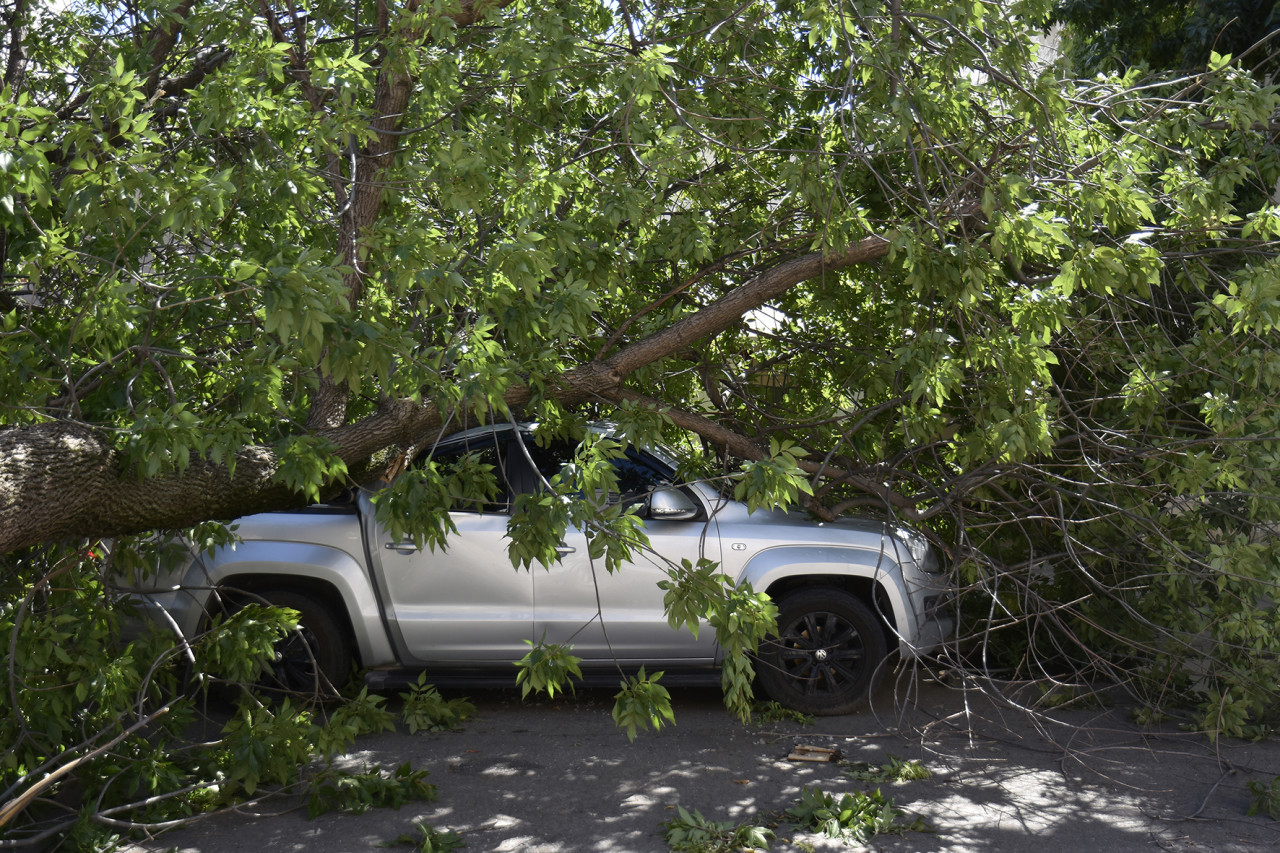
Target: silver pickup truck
{"points": [[847, 592]]}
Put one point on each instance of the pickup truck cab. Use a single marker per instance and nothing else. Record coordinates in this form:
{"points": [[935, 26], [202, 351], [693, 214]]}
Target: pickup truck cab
{"points": [[848, 592]]}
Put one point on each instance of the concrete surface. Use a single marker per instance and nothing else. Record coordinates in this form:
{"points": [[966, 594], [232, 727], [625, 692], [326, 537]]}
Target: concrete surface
{"points": [[558, 777]]}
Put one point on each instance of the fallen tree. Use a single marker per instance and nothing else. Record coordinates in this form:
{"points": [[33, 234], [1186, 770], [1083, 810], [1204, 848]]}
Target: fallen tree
{"points": [[254, 255]]}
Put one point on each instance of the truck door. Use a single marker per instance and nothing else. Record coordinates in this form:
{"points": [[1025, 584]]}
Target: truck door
{"points": [[464, 603], [620, 616]]}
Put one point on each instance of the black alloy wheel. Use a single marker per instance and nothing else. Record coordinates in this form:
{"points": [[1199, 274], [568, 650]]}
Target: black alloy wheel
{"points": [[828, 649]]}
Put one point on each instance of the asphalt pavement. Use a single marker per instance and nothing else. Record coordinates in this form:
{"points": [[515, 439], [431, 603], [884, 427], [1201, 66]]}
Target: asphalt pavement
{"points": [[558, 777]]}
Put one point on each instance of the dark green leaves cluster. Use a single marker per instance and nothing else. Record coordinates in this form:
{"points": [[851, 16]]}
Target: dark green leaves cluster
{"points": [[856, 816], [1159, 35], [338, 790], [894, 770], [426, 710], [92, 703], [690, 832], [642, 703], [741, 618], [415, 505], [775, 481], [1266, 798], [547, 667], [853, 818], [239, 647]]}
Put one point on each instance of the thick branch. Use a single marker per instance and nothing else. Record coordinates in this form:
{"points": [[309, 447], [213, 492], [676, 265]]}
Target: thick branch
{"points": [[165, 38], [729, 309], [206, 62], [13, 71], [744, 448], [62, 479]]}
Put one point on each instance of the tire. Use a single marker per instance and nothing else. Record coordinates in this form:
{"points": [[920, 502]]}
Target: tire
{"points": [[828, 649], [316, 658]]}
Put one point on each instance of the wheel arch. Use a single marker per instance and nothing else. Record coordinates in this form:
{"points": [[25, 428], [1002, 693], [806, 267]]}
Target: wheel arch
{"points": [[867, 590], [327, 574], [872, 576], [319, 590]]}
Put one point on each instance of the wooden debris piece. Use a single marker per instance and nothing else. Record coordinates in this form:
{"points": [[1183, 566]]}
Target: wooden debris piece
{"points": [[813, 753]]}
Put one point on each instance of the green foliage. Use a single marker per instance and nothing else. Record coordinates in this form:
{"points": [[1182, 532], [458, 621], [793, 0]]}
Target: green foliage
{"points": [[895, 770], [358, 715], [854, 817], [340, 790], [70, 677], [308, 461], [1162, 34], [614, 529], [426, 710], [240, 646], [1266, 798], [772, 712], [414, 505], [690, 832], [428, 840], [547, 667], [263, 746], [741, 618], [90, 710], [773, 482], [1057, 356], [642, 703], [537, 527]]}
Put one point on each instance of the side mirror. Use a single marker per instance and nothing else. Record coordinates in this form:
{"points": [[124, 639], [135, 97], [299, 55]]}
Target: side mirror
{"points": [[668, 504]]}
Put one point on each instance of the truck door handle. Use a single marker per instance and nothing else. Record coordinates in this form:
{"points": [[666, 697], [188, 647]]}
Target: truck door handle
{"points": [[404, 547]]}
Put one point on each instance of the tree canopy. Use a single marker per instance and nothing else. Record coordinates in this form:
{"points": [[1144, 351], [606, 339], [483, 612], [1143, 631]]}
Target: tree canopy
{"points": [[878, 256], [1176, 35]]}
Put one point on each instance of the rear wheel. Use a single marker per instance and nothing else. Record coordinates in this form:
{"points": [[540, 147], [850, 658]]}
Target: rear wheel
{"points": [[828, 648], [316, 657]]}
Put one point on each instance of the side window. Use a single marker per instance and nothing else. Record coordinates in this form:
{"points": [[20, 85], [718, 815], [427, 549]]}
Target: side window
{"points": [[477, 474], [548, 460], [638, 475]]}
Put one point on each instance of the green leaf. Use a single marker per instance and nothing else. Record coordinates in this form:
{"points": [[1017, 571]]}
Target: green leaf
{"points": [[642, 703]]}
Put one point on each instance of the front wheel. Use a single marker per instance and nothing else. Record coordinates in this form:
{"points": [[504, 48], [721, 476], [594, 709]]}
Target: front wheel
{"points": [[828, 648], [316, 658]]}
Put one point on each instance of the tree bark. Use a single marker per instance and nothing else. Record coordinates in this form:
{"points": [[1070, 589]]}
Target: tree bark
{"points": [[360, 201], [17, 25]]}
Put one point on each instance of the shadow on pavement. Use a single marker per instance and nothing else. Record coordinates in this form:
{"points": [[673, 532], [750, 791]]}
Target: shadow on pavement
{"points": [[558, 777]]}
